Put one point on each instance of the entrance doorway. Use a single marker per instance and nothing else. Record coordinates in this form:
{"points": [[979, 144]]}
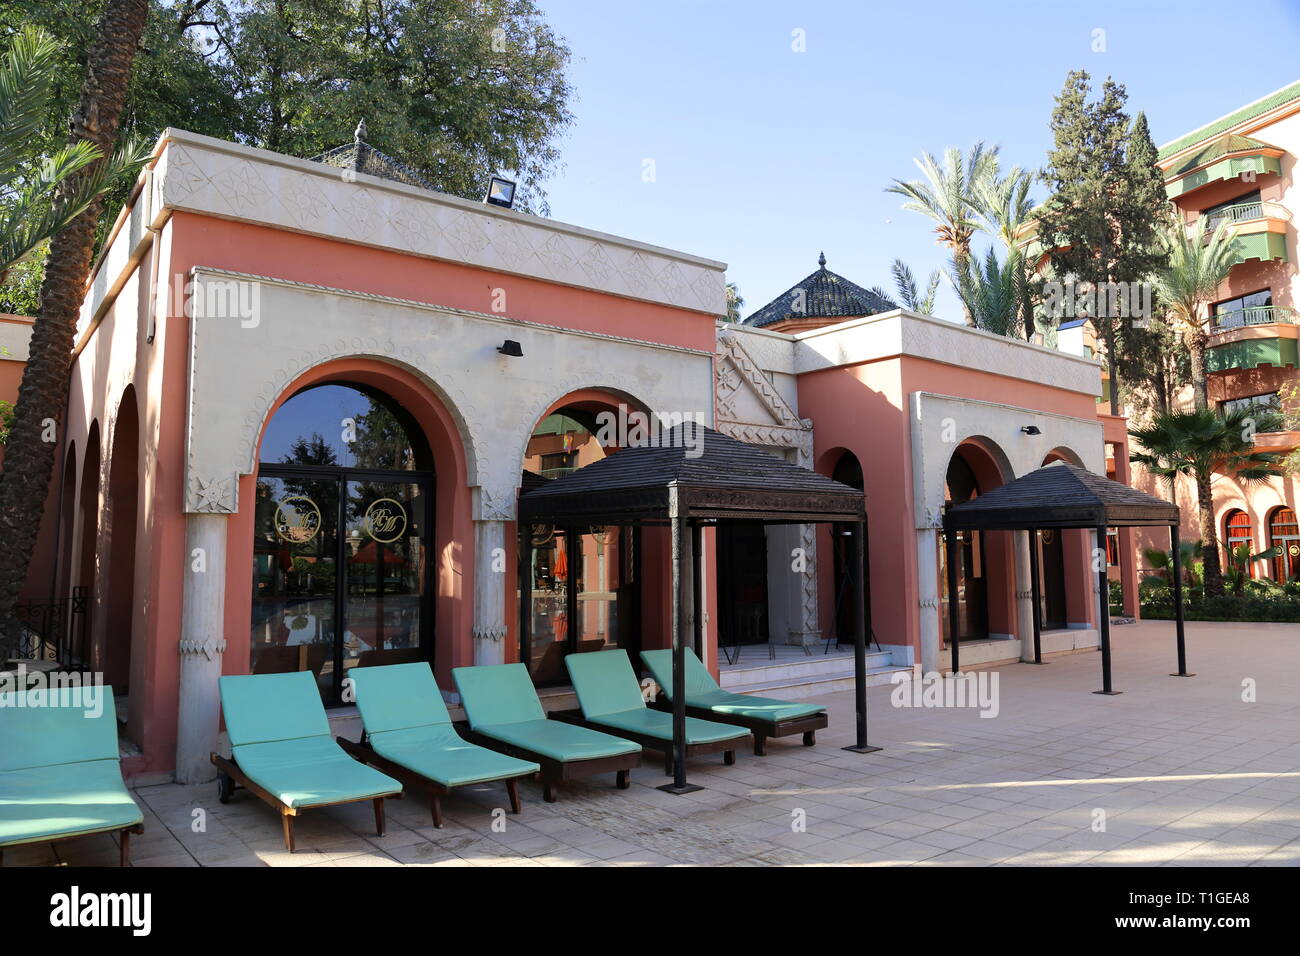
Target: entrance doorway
{"points": [[742, 584], [343, 522], [1051, 563], [972, 584]]}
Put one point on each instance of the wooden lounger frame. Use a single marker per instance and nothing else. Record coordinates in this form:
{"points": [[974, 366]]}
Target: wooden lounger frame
{"points": [[760, 728], [230, 777], [554, 772], [124, 841], [726, 747], [364, 752]]}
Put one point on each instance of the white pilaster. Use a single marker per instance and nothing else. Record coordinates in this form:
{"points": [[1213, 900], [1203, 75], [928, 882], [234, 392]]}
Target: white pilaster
{"points": [[489, 592], [1024, 597], [927, 588], [202, 644]]}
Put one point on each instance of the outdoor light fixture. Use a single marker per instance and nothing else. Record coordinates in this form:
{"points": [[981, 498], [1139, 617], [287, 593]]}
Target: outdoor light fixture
{"points": [[1030, 429], [511, 347], [501, 192]]}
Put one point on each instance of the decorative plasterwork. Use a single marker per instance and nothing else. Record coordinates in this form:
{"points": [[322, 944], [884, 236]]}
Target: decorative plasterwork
{"points": [[213, 177], [940, 423], [239, 367]]}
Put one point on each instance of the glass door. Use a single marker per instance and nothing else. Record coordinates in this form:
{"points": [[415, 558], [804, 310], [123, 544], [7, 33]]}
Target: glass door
{"points": [[384, 594], [295, 575]]}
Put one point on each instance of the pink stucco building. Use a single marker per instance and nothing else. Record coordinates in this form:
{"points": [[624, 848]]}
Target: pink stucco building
{"points": [[297, 433]]}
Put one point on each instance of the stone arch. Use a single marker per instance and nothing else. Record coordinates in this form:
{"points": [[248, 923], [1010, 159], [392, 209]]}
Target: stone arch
{"points": [[1065, 454], [81, 622], [114, 638], [988, 558]]}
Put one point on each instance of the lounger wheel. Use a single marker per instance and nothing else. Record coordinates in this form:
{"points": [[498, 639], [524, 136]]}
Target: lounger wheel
{"points": [[729, 757], [225, 786], [810, 738], [623, 781]]}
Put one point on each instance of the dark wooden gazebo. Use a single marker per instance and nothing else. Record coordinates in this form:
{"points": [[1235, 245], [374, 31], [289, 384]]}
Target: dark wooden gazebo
{"points": [[692, 477], [1064, 496]]}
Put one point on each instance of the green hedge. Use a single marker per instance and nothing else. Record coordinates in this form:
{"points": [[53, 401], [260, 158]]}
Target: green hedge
{"points": [[1247, 607]]}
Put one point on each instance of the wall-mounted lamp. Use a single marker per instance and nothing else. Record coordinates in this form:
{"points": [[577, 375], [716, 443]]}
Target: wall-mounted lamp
{"points": [[511, 347], [501, 192], [1030, 429]]}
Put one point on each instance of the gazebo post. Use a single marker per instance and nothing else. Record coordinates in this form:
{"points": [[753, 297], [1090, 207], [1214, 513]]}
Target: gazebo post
{"points": [[1177, 549], [697, 589], [950, 562], [1032, 534], [1103, 588], [678, 628], [857, 560]]}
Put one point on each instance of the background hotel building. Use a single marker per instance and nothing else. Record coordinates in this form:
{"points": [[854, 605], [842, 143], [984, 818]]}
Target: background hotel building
{"points": [[1241, 170], [293, 441]]}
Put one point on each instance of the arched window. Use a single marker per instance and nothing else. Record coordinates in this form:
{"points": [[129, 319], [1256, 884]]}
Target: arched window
{"points": [[1284, 539], [1238, 530], [341, 537]]}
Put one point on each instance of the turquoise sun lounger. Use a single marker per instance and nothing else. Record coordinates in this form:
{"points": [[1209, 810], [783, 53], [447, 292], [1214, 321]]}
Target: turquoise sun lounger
{"points": [[60, 776], [611, 701], [763, 716], [505, 715], [408, 735], [282, 751]]}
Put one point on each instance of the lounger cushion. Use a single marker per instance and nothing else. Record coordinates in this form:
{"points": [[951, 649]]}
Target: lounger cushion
{"points": [[59, 769], [559, 741], [262, 707], [397, 696], [41, 803], [311, 771], [604, 682], [497, 694], [703, 691], [440, 754], [656, 723], [60, 726]]}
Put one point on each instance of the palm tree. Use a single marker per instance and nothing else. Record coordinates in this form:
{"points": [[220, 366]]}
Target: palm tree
{"points": [[42, 396], [1192, 273], [1005, 208], [992, 292], [909, 293], [1200, 444], [947, 195], [735, 302], [34, 201]]}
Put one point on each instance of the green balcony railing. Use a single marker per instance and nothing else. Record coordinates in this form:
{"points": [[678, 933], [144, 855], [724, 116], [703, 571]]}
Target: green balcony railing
{"points": [[1234, 214], [1255, 315]]}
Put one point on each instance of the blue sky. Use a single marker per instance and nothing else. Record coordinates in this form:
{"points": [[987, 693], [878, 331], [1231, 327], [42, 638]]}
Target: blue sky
{"points": [[763, 156]]}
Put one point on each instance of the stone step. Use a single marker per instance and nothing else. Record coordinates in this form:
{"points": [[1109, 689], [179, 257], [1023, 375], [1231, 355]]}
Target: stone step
{"points": [[795, 688], [760, 670]]}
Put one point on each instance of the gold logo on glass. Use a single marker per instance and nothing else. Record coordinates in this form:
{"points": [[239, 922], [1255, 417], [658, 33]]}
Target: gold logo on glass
{"points": [[297, 519], [385, 520]]}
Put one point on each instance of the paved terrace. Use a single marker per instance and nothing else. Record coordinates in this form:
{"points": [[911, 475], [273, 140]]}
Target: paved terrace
{"points": [[1186, 772]]}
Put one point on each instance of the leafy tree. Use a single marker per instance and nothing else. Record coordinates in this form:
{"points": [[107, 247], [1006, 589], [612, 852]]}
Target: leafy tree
{"points": [[1200, 444], [1103, 218], [1195, 266], [42, 396]]}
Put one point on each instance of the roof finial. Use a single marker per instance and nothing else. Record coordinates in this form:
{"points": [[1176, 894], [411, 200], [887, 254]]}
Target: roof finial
{"points": [[821, 260], [360, 133]]}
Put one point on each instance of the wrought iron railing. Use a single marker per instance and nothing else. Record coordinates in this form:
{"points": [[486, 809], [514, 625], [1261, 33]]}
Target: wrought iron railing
{"points": [[51, 632], [1254, 315]]}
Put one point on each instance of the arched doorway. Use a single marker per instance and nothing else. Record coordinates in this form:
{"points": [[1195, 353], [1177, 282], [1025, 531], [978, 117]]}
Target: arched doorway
{"points": [[579, 588], [119, 575], [1284, 539], [1238, 530], [82, 605], [848, 471], [960, 485], [1054, 611], [342, 536]]}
